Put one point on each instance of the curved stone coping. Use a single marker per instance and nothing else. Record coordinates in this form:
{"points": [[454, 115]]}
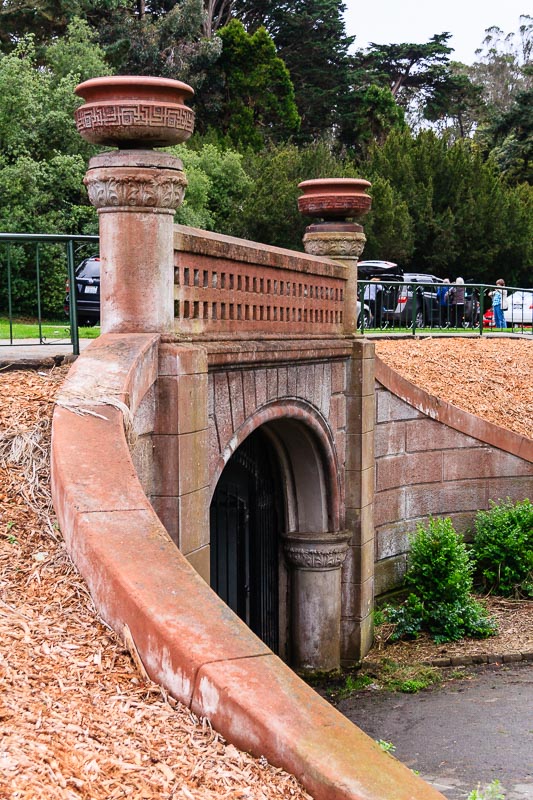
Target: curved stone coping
{"points": [[189, 641], [451, 415]]}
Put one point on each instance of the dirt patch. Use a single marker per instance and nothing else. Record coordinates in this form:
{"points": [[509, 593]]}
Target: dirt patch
{"points": [[515, 635]]}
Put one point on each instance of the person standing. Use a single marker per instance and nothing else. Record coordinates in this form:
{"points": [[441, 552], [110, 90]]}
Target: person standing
{"points": [[457, 302], [499, 303], [442, 299], [374, 296]]}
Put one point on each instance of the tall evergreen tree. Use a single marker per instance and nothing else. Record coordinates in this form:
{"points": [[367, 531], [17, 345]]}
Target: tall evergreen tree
{"points": [[407, 68], [257, 97], [311, 39]]}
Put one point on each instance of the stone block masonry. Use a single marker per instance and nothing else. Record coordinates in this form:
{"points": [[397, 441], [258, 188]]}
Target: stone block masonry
{"points": [[434, 459]]}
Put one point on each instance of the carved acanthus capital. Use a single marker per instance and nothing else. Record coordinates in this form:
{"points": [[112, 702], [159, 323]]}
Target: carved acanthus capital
{"points": [[316, 551], [136, 180], [335, 244], [121, 187]]}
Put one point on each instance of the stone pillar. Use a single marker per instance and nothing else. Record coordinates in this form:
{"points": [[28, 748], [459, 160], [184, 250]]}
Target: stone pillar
{"points": [[316, 560], [336, 200], [343, 242], [359, 475], [136, 191]]}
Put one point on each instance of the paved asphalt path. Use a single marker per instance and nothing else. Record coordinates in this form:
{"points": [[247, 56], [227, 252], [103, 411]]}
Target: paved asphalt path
{"points": [[462, 733]]}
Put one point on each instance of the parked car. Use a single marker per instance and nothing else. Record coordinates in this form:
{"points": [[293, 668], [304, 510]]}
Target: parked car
{"points": [[398, 300], [519, 308], [376, 268], [367, 315], [87, 291]]}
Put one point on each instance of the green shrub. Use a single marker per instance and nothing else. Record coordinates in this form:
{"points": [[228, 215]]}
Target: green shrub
{"points": [[439, 575], [502, 549]]}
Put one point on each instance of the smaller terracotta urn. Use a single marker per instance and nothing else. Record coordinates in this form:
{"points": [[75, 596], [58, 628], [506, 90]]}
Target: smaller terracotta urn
{"points": [[339, 204], [134, 112], [334, 198]]}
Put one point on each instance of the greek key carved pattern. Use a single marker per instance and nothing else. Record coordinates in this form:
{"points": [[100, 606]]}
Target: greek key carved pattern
{"points": [[125, 116], [136, 191], [351, 205], [329, 558], [338, 246]]}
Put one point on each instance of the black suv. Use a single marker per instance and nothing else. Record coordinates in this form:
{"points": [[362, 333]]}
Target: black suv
{"points": [[396, 294], [87, 291], [398, 301]]}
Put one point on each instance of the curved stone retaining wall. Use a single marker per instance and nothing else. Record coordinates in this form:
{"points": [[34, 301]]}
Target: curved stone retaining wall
{"points": [[432, 458], [189, 641]]}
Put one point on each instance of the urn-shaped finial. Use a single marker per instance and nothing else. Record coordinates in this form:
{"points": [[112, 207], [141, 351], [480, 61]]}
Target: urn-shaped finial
{"points": [[134, 112], [335, 198]]}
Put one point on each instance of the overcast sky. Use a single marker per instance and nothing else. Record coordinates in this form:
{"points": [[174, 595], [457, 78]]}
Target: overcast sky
{"points": [[394, 21]]}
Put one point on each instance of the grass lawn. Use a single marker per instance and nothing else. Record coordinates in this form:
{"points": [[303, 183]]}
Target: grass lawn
{"points": [[436, 331], [51, 330]]}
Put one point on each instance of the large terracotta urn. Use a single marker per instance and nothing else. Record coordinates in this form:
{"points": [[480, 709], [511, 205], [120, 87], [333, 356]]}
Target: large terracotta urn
{"points": [[132, 112]]}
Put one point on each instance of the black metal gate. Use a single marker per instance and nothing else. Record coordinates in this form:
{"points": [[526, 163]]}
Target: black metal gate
{"points": [[246, 517]]}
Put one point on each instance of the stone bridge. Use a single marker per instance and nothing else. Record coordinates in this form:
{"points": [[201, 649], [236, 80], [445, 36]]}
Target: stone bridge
{"points": [[223, 437]]}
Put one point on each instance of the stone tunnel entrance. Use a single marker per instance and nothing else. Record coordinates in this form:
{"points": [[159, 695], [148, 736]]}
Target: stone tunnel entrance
{"points": [[246, 523], [271, 552]]}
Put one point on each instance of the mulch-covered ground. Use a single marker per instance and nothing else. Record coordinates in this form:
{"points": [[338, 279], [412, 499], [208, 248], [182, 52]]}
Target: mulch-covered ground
{"points": [[76, 718], [490, 377]]}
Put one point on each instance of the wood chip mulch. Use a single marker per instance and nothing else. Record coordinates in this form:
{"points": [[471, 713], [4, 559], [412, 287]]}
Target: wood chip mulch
{"points": [[77, 721], [492, 378]]}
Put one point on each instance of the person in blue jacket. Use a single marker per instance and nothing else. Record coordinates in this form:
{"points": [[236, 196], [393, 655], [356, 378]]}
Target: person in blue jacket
{"points": [[499, 304], [442, 299]]}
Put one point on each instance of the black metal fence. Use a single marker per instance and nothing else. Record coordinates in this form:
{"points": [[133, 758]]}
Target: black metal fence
{"points": [[35, 273], [411, 306], [37, 269]]}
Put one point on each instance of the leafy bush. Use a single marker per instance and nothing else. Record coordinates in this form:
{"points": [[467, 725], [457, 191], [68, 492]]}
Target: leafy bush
{"points": [[502, 548], [439, 574], [491, 792]]}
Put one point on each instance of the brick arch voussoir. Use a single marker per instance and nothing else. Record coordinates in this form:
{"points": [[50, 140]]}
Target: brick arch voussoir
{"points": [[311, 418]]}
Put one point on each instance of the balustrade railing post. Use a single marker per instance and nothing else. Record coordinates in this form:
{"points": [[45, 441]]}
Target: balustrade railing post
{"points": [[9, 293], [72, 307], [481, 309]]}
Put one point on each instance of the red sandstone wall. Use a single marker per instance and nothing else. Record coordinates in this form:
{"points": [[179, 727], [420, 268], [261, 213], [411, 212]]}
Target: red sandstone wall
{"points": [[427, 467]]}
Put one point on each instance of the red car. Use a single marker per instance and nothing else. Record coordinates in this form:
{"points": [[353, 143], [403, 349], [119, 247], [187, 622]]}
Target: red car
{"points": [[488, 319]]}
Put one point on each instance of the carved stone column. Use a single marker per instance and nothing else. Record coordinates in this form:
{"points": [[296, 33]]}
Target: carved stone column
{"points": [[337, 200], [136, 191], [316, 560]]}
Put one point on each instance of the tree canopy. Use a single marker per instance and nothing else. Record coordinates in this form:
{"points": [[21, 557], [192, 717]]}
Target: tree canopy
{"points": [[283, 96]]}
